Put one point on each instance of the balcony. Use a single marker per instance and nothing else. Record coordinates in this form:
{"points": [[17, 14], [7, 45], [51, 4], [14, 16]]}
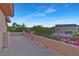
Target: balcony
{"points": [[20, 45]]}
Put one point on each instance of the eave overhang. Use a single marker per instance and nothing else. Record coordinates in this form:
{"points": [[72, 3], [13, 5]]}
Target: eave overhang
{"points": [[7, 9]]}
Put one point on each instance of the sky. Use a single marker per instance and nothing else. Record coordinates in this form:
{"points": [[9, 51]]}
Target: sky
{"points": [[45, 14]]}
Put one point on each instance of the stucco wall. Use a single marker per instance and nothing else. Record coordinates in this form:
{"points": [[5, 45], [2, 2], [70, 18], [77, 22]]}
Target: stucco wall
{"points": [[61, 47], [3, 28]]}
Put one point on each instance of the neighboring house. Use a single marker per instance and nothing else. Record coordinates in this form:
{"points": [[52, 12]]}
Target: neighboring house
{"points": [[6, 10], [65, 30]]}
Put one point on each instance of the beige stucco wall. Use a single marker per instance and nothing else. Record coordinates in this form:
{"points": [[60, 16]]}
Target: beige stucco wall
{"points": [[3, 29]]}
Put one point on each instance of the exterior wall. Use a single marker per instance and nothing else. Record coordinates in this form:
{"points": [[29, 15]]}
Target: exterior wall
{"points": [[73, 29], [6, 9], [63, 29], [3, 28]]}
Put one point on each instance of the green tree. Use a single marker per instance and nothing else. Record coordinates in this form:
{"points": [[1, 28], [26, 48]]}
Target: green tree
{"points": [[44, 31], [21, 28], [37, 29], [17, 28]]}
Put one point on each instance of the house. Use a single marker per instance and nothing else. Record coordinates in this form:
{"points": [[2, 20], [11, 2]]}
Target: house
{"points": [[6, 10], [65, 30]]}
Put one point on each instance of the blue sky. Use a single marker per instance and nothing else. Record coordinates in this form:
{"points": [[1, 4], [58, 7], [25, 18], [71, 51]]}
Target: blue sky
{"points": [[46, 14]]}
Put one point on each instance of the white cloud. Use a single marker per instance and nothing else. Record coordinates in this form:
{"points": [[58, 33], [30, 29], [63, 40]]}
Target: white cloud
{"points": [[29, 17], [50, 10], [37, 14], [34, 15]]}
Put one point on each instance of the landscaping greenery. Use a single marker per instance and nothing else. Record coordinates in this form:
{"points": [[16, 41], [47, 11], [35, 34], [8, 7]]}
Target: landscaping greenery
{"points": [[39, 30], [43, 31], [16, 28], [76, 34]]}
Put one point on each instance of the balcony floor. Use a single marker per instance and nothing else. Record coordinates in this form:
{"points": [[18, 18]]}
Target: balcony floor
{"points": [[24, 46]]}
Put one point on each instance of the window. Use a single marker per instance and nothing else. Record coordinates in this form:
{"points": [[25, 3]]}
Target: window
{"points": [[68, 32]]}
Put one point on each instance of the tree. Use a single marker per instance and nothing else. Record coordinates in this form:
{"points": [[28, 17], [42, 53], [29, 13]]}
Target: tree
{"points": [[21, 28], [17, 28], [14, 25], [37, 29], [43, 31]]}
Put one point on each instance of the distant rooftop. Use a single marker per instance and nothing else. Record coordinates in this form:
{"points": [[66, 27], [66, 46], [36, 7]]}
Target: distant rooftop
{"points": [[68, 25]]}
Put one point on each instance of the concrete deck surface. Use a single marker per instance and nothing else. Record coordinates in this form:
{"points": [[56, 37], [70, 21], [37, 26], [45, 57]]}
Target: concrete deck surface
{"points": [[24, 46]]}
